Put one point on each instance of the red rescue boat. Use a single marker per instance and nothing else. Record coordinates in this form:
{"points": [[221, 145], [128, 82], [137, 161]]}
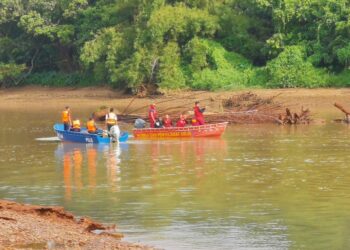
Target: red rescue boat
{"points": [[215, 129]]}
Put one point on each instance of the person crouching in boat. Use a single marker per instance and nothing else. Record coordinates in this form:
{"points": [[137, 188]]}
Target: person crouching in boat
{"points": [[76, 127], [152, 115], [182, 122], [139, 123], [111, 119], [167, 123], [66, 118], [194, 122], [91, 126], [198, 113], [159, 123]]}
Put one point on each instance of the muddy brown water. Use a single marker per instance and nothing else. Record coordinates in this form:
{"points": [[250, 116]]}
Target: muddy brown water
{"points": [[257, 187]]}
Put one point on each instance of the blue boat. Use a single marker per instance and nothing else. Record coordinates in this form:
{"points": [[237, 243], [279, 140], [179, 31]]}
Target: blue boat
{"points": [[84, 137]]}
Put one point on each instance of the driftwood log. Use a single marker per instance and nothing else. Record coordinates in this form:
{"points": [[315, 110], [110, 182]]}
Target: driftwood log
{"points": [[242, 108], [345, 111], [289, 118]]}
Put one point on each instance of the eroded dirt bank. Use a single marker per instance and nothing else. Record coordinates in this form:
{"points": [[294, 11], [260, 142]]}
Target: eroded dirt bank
{"points": [[39, 227], [319, 101]]}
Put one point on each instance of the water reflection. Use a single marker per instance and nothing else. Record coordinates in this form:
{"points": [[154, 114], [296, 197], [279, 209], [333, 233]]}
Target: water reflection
{"points": [[72, 158], [260, 187], [179, 157]]}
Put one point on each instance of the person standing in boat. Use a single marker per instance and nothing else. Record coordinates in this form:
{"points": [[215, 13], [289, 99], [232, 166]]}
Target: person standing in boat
{"points": [[66, 118], [152, 115], [91, 126], [111, 119], [198, 113]]}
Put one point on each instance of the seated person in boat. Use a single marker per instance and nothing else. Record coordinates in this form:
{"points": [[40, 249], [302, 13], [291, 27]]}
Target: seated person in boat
{"points": [[66, 118], [139, 123], [76, 125], [111, 119], [167, 123], [182, 122], [91, 126], [159, 123], [194, 122], [198, 113]]}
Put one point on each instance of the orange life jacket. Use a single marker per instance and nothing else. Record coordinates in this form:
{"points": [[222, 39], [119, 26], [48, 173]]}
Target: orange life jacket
{"points": [[76, 124], [91, 127], [111, 121], [65, 116]]}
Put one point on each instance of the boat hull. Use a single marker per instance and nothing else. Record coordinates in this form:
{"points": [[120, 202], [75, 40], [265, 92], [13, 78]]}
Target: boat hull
{"points": [[208, 130], [83, 136]]}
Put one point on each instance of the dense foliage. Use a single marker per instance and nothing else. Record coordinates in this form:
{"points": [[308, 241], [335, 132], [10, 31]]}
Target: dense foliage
{"points": [[199, 44]]}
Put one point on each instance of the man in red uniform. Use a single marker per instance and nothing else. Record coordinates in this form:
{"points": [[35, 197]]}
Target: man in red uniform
{"points": [[167, 122], [198, 113], [182, 122], [152, 115]]}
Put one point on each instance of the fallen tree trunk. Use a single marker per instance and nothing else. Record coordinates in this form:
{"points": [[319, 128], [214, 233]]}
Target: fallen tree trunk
{"points": [[346, 112], [340, 107]]}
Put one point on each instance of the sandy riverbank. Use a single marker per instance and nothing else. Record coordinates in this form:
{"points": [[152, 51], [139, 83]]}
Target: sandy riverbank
{"points": [[319, 101], [38, 227]]}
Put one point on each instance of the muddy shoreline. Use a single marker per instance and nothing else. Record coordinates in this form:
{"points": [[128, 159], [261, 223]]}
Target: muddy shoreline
{"points": [[319, 101], [25, 226]]}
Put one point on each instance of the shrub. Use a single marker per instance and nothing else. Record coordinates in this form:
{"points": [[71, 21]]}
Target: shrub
{"points": [[291, 69], [212, 67], [56, 79], [9, 72]]}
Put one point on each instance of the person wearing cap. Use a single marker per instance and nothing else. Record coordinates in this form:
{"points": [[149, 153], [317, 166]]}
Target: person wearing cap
{"points": [[152, 115], [198, 113]]}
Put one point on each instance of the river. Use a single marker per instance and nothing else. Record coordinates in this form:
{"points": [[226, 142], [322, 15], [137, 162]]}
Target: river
{"points": [[257, 187]]}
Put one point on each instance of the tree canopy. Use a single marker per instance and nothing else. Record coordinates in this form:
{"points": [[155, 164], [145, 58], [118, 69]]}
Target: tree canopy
{"points": [[200, 44]]}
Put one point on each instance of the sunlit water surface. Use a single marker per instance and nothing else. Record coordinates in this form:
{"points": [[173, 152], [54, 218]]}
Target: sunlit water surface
{"points": [[258, 187]]}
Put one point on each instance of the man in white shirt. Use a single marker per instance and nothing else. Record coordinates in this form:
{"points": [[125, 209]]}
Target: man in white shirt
{"points": [[111, 119]]}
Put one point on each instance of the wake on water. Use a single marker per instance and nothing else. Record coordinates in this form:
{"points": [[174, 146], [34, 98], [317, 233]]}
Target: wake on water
{"points": [[56, 139], [48, 139]]}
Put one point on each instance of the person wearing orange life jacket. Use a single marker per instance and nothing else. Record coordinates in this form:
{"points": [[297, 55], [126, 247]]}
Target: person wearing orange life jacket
{"points": [[76, 127], [111, 119], [66, 118], [91, 126]]}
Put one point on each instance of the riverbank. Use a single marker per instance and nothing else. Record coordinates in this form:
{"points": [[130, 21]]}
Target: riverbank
{"points": [[319, 101], [41, 227]]}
